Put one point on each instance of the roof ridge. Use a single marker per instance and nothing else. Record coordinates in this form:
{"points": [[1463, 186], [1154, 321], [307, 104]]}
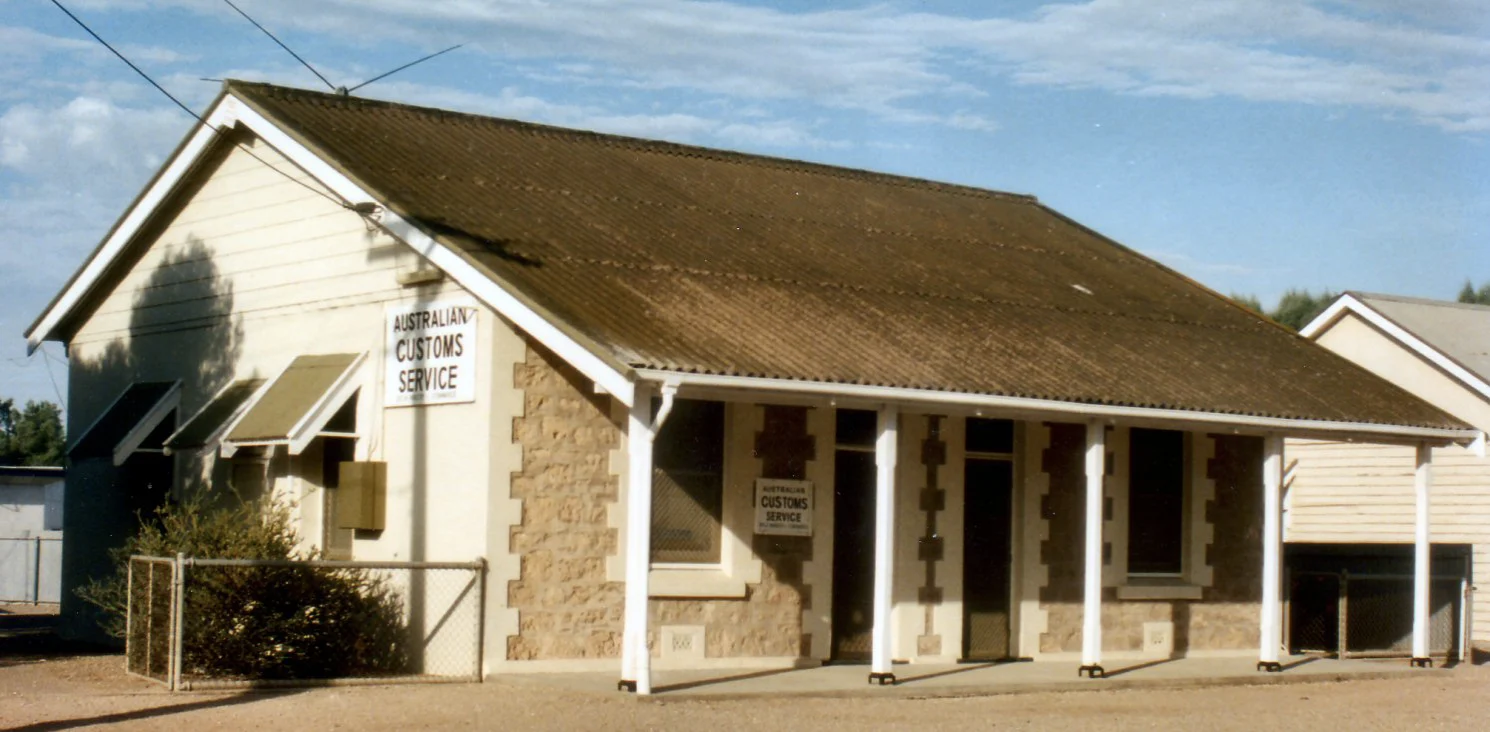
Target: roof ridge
{"points": [[1364, 296], [661, 147]]}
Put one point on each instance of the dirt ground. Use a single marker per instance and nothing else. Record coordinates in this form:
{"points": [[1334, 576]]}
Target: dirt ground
{"points": [[47, 692]]}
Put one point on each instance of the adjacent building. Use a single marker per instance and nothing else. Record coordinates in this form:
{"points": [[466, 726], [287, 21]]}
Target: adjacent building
{"points": [[696, 408], [30, 534], [1351, 507]]}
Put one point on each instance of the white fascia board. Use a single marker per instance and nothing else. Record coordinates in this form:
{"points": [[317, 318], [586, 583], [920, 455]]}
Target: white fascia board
{"points": [[929, 397], [1346, 303], [147, 424], [326, 407], [230, 111], [138, 214], [462, 272]]}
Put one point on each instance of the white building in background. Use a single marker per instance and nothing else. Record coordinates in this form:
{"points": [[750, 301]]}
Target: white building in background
{"points": [[30, 534], [1356, 500]]}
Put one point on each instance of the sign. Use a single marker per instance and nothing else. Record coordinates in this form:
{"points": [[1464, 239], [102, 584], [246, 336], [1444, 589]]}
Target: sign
{"points": [[783, 507], [430, 356]]}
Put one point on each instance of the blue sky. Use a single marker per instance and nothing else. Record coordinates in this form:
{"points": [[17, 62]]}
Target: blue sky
{"points": [[1255, 145]]}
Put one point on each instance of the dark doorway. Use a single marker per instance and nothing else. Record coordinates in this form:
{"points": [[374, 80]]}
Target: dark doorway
{"points": [[986, 559], [853, 536]]}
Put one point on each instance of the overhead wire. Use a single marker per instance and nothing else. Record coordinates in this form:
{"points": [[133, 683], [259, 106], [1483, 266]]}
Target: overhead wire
{"points": [[336, 200], [401, 68], [287, 49], [47, 359]]}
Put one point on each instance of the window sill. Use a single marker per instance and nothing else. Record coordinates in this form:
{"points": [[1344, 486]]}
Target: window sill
{"points": [[1158, 589], [705, 582]]}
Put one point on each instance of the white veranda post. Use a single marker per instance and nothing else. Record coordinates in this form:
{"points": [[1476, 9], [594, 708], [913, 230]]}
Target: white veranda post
{"points": [[1091, 618], [641, 431], [1421, 572], [884, 531], [1270, 635]]}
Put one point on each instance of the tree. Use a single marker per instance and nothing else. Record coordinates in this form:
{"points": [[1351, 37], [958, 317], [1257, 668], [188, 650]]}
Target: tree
{"points": [[1250, 302], [1297, 307], [32, 436], [1475, 297]]}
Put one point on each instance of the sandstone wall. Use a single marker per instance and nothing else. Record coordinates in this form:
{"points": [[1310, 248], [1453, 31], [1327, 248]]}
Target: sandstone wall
{"points": [[1226, 616], [768, 620], [566, 607]]}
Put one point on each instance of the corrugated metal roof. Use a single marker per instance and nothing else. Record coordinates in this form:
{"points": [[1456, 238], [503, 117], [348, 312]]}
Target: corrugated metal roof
{"points": [[1459, 330], [695, 260]]}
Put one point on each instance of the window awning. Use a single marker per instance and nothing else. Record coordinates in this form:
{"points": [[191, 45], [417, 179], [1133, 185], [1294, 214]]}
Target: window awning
{"points": [[132, 423], [296, 406], [207, 426]]}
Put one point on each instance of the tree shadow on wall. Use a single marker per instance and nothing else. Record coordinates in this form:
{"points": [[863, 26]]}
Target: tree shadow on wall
{"points": [[181, 325]]}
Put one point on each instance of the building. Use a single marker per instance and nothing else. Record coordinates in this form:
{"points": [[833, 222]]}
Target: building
{"points": [[30, 534], [736, 410], [1352, 507]]}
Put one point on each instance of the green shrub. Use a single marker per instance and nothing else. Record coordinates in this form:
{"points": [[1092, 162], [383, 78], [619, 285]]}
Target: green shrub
{"points": [[262, 622]]}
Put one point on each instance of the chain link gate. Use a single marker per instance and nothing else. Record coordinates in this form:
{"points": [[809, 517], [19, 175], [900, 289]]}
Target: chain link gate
{"points": [[212, 623], [1361, 615]]}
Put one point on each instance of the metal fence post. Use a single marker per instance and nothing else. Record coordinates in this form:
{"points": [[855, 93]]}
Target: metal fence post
{"points": [[480, 620], [129, 610], [1343, 605], [36, 573], [149, 619], [178, 591]]}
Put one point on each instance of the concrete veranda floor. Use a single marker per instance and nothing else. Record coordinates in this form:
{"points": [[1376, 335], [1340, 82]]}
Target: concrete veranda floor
{"points": [[978, 679]]}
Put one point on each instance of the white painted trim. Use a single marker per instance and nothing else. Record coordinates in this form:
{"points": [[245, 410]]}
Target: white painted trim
{"points": [[636, 658], [129, 225], [466, 275], [1270, 637], [1434, 356], [1421, 570], [147, 424], [1042, 408], [1095, 468], [231, 110], [886, 454]]}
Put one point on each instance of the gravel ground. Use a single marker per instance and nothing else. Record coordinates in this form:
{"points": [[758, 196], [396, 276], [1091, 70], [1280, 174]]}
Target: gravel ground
{"points": [[47, 693]]}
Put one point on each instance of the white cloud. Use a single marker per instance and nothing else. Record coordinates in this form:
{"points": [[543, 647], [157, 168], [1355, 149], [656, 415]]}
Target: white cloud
{"points": [[882, 60], [88, 143]]}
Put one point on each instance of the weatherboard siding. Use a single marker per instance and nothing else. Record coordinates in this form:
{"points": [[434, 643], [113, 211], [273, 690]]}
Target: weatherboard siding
{"points": [[270, 246], [1352, 493], [1363, 493], [246, 271]]}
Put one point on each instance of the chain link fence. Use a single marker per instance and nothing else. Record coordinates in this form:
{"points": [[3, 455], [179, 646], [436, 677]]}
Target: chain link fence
{"points": [[212, 623], [31, 569], [1370, 615]]}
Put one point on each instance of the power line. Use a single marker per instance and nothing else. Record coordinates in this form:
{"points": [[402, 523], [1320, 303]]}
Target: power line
{"points": [[47, 359], [287, 49], [401, 68], [342, 203]]}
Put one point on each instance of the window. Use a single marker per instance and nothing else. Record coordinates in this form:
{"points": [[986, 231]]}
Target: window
{"points": [[1156, 502], [993, 436], [334, 452], [688, 484]]}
